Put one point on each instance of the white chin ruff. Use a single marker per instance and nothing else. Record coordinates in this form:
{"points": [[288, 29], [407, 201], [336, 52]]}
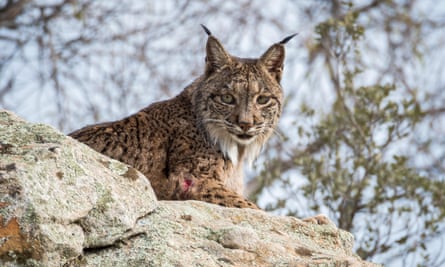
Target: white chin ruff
{"points": [[229, 146]]}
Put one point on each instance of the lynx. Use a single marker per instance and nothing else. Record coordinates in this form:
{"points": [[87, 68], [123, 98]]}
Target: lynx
{"points": [[194, 145]]}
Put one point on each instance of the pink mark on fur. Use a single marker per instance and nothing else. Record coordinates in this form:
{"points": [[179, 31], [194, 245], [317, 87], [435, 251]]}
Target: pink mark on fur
{"points": [[187, 184]]}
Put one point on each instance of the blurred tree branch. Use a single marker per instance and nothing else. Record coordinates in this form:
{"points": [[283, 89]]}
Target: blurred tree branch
{"points": [[364, 144]]}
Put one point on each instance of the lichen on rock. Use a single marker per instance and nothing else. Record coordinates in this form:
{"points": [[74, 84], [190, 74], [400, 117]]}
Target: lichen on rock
{"points": [[63, 204], [61, 195]]}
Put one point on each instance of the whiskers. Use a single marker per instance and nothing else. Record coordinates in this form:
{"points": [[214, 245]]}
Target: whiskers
{"points": [[214, 120], [277, 133], [224, 134], [217, 130]]}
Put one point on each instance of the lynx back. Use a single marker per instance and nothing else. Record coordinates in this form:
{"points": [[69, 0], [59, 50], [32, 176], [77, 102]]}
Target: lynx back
{"points": [[194, 145]]}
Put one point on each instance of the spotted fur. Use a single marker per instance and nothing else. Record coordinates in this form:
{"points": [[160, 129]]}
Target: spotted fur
{"points": [[194, 145]]}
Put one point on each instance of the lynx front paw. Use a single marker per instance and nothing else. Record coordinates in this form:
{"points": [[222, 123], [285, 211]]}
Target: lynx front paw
{"points": [[228, 199], [215, 192], [240, 203]]}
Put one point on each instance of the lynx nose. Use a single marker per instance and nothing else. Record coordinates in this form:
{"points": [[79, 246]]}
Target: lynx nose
{"points": [[245, 126]]}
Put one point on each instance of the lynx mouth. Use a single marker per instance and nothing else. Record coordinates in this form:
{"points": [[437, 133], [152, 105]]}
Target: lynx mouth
{"points": [[244, 137]]}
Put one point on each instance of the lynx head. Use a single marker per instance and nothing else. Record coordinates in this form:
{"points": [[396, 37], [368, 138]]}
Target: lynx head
{"points": [[238, 100]]}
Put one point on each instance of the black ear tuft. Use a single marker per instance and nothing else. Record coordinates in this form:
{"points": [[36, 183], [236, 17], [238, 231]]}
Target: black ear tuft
{"points": [[206, 30], [287, 39], [216, 56], [273, 58]]}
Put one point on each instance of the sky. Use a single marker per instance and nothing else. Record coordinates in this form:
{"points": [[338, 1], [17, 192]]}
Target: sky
{"points": [[110, 78]]}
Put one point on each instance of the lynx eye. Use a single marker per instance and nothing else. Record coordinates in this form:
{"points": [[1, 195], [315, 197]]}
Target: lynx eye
{"points": [[262, 99], [228, 99]]}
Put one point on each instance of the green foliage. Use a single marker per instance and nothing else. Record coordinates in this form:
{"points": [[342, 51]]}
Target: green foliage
{"points": [[353, 165]]}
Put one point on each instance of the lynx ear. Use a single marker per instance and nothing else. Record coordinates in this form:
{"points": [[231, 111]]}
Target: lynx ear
{"points": [[273, 58], [216, 57]]}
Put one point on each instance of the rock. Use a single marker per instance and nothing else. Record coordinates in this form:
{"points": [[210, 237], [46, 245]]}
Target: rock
{"points": [[58, 197], [63, 204]]}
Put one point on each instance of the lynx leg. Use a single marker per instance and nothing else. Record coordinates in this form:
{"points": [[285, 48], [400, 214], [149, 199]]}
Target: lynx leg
{"points": [[212, 191]]}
